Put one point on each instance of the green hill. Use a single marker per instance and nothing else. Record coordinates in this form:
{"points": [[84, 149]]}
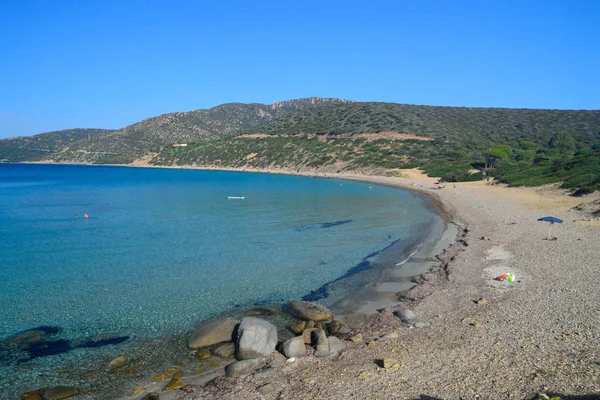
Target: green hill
{"points": [[481, 127], [183, 127], [45, 145]]}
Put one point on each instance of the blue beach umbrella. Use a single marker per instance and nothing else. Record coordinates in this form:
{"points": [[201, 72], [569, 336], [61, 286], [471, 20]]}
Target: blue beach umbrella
{"points": [[552, 220]]}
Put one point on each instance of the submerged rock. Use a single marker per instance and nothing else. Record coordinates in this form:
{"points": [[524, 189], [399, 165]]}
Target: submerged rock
{"points": [[34, 395], [256, 338], [173, 383], [116, 363], [225, 351], [244, 367], [203, 354], [309, 311], [212, 333], [33, 336], [59, 393]]}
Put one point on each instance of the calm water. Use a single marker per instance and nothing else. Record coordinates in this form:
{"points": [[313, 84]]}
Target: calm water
{"points": [[163, 249]]}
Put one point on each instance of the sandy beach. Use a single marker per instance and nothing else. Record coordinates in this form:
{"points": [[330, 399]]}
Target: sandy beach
{"points": [[540, 333]]}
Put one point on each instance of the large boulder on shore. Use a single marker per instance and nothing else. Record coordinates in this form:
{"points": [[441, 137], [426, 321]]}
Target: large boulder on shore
{"points": [[308, 311], [256, 338], [244, 367], [212, 333]]}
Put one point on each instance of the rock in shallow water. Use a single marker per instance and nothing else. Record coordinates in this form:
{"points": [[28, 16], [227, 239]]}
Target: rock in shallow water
{"points": [[225, 351], [212, 333], [256, 338], [33, 336], [307, 310], [59, 393], [173, 383], [116, 363]]}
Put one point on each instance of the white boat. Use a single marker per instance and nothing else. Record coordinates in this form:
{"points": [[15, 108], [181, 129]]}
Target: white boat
{"points": [[236, 197]]}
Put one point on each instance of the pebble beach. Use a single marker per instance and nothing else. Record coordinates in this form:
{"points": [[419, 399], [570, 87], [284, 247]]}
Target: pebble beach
{"points": [[478, 337]]}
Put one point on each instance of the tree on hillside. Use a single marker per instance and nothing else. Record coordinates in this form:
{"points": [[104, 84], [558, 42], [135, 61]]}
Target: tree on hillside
{"points": [[496, 153], [563, 142]]}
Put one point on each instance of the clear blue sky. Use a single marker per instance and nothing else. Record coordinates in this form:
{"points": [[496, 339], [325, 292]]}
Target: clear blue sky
{"points": [[110, 63]]}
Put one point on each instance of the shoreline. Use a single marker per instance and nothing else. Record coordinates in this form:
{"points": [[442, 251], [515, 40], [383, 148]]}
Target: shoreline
{"points": [[539, 333], [349, 297]]}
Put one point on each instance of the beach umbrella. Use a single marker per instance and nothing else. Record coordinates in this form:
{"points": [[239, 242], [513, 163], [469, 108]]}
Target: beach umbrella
{"points": [[552, 221]]}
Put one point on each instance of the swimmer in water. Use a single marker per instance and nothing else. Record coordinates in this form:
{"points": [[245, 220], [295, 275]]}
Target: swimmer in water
{"points": [[85, 215]]}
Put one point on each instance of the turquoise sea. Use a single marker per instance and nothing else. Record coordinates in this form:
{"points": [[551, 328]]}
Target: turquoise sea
{"points": [[165, 248]]}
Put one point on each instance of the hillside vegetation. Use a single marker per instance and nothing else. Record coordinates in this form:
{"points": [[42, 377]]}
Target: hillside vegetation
{"points": [[184, 127], [45, 145], [481, 127]]}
